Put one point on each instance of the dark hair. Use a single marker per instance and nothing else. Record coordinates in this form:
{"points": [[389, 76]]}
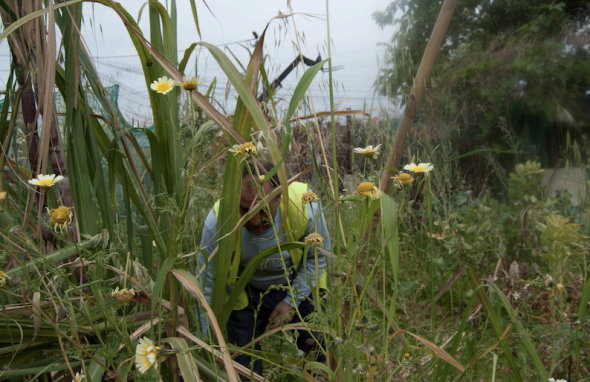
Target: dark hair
{"points": [[264, 167]]}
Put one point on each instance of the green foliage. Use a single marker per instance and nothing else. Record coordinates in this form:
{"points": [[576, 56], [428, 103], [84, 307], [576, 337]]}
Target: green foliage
{"points": [[524, 185], [498, 56]]}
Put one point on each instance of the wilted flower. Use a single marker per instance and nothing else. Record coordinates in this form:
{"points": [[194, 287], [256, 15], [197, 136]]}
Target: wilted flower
{"points": [[338, 340], [514, 270], [557, 380], [309, 197], [516, 296], [190, 83], [123, 295], [246, 149], [60, 217], [163, 85], [560, 287], [3, 278], [45, 181], [547, 279], [403, 179], [422, 167], [261, 179], [78, 378], [146, 355], [368, 190], [369, 151], [314, 240]]}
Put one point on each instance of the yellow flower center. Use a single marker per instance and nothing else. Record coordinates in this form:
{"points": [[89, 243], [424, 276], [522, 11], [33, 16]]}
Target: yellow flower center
{"points": [[418, 169], [3, 278], [247, 148], [44, 182], [78, 378], [60, 215], [190, 85], [163, 86], [365, 187], [405, 178], [369, 153]]}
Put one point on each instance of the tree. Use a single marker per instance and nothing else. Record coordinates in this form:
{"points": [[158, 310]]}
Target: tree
{"points": [[524, 62]]}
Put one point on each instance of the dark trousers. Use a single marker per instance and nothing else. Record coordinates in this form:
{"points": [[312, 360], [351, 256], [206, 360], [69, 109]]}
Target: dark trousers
{"points": [[246, 324]]}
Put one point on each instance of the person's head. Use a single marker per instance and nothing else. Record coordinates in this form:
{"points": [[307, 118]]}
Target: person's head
{"points": [[263, 220]]}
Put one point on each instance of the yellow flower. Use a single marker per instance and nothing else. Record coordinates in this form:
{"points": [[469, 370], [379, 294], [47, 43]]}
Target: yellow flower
{"points": [[163, 85], [368, 190], [146, 355], [369, 151], [314, 240], [60, 217], [403, 179], [309, 197], [422, 167], [45, 181], [190, 83], [261, 179], [123, 295], [79, 377], [3, 278], [246, 149], [407, 355]]}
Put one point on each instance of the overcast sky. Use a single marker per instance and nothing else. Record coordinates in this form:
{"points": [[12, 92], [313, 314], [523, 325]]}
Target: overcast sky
{"points": [[354, 34]]}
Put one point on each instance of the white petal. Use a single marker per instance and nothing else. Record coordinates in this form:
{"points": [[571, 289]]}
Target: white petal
{"points": [[151, 358], [58, 178], [33, 181]]}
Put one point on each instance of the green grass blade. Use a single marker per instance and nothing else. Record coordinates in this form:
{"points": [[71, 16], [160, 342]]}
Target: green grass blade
{"points": [[186, 363], [496, 325], [525, 338], [247, 273]]}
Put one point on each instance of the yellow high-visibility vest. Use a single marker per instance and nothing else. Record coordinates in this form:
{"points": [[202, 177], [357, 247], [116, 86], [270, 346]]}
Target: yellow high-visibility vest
{"points": [[294, 226]]}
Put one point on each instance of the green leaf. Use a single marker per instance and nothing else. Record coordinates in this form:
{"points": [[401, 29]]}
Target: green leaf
{"points": [[298, 95], [247, 273], [186, 363]]}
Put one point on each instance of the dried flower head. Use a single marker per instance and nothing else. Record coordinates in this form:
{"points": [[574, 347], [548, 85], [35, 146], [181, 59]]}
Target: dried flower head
{"points": [[368, 190], [146, 355], [3, 278], [123, 295], [403, 179], [369, 151], [45, 181], [560, 287], [314, 240], [246, 149], [309, 197], [60, 217], [338, 340]]}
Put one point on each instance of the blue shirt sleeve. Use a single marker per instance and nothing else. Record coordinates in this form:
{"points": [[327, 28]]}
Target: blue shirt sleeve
{"points": [[305, 280]]}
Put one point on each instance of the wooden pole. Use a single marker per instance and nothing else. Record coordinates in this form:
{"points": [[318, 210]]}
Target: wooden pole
{"points": [[401, 136]]}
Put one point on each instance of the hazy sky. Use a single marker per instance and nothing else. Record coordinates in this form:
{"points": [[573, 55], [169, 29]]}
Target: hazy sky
{"points": [[354, 34]]}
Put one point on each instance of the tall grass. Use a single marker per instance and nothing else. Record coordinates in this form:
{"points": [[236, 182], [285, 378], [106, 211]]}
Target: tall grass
{"points": [[423, 283]]}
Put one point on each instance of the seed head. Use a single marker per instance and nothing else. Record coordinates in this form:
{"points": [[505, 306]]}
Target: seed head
{"points": [[309, 197], [314, 240], [403, 179], [123, 295], [60, 217], [368, 190]]}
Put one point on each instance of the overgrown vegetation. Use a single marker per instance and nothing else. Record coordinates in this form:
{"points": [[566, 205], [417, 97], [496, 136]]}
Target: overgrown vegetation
{"points": [[429, 281]]}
